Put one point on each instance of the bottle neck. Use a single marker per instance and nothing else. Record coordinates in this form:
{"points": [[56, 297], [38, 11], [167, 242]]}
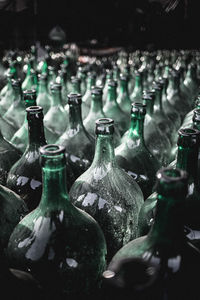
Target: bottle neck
{"points": [[158, 100], [76, 88], [149, 107], [17, 94], [54, 194], [96, 104], [104, 151], [42, 88], [136, 131], [56, 98], [112, 94], [123, 87], [75, 116], [90, 83], [187, 160], [36, 132], [138, 82], [167, 229]]}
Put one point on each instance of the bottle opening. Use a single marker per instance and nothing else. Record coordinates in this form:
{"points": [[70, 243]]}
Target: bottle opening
{"points": [[34, 109], [170, 174], [105, 126], [29, 92], [52, 150]]}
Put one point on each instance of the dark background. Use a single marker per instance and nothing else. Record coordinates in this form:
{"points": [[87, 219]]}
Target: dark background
{"points": [[140, 24]]}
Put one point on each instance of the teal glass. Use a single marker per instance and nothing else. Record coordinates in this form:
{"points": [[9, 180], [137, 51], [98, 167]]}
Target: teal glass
{"points": [[86, 100], [16, 112], [165, 245], [8, 156], [136, 95], [25, 176], [55, 120], [13, 210], [79, 144], [6, 95], [96, 112], [133, 155], [81, 75], [108, 193], [60, 245], [43, 98], [187, 159], [20, 138], [123, 98], [112, 109], [30, 80], [108, 77]]}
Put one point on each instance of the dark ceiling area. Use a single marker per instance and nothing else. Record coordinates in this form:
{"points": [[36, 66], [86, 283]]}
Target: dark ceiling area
{"points": [[144, 24]]}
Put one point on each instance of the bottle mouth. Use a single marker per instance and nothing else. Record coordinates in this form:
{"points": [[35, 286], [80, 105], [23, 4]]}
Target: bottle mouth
{"points": [[188, 137], [74, 98], [104, 126], [29, 92], [138, 108], [52, 150], [169, 174], [34, 109]]}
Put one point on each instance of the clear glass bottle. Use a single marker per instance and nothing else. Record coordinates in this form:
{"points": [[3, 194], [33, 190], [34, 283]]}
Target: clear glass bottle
{"points": [[62, 246], [108, 193], [123, 98], [43, 98]]}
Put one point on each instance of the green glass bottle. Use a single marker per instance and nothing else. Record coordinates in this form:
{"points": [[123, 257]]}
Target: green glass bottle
{"points": [[75, 85], [108, 76], [86, 100], [161, 119], [55, 120], [25, 176], [165, 245], [30, 81], [13, 209], [108, 193], [187, 121], [123, 98], [20, 138], [43, 98], [78, 142], [187, 160], [130, 277], [7, 94], [112, 109], [62, 79], [82, 76], [51, 78], [155, 140], [96, 112], [8, 156], [133, 155], [136, 95], [62, 246], [16, 112]]}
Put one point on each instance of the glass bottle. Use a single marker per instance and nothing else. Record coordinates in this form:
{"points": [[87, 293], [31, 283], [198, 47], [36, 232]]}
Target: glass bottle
{"points": [[123, 98], [187, 160], [30, 81], [161, 119], [133, 155], [62, 246], [136, 95], [108, 193], [13, 209], [16, 112], [20, 138], [165, 245], [109, 75], [130, 277], [55, 120], [156, 142], [8, 156], [81, 75], [86, 100], [96, 112], [25, 176], [43, 98], [7, 94], [79, 144], [112, 109]]}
